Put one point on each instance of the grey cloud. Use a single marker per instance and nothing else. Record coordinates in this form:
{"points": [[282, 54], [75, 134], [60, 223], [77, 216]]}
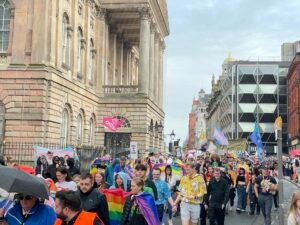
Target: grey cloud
{"points": [[203, 32]]}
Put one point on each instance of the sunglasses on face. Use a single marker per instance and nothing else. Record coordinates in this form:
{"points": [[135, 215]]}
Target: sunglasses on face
{"points": [[27, 197]]}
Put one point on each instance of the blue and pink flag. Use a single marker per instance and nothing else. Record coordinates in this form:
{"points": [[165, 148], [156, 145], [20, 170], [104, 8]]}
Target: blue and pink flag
{"points": [[147, 206], [256, 139], [220, 137]]}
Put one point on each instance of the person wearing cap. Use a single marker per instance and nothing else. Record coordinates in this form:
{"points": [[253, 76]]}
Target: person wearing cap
{"points": [[28, 210], [123, 167], [264, 188]]}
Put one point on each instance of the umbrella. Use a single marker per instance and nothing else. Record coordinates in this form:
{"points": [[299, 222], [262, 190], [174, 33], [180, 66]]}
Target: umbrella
{"points": [[20, 182], [295, 152]]}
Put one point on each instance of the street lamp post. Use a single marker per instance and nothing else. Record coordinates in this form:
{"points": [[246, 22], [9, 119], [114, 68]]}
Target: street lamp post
{"points": [[172, 136]]}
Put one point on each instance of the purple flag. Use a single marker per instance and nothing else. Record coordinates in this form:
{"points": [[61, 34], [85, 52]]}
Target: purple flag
{"points": [[220, 137], [147, 206]]}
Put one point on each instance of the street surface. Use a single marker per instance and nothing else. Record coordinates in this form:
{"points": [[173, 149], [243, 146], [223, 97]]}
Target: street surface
{"points": [[243, 218]]}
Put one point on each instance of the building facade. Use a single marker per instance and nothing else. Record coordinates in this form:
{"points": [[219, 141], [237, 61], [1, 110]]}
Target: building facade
{"points": [[64, 65], [197, 122], [254, 92], [293, 79]]}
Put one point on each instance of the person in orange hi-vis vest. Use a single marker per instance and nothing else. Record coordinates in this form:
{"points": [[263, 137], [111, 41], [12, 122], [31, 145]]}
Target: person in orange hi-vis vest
{"points": [[68, 210]]}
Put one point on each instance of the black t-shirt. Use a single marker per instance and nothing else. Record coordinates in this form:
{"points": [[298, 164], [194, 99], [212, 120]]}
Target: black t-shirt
{"points": [[240, 178], [264, 181]]}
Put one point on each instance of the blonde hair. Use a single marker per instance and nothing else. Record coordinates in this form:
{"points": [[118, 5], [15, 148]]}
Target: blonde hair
{"points": [[293, 205]]}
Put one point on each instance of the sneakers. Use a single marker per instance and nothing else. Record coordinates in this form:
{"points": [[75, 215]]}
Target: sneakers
{"points": [[170, 222], [238, 210]]}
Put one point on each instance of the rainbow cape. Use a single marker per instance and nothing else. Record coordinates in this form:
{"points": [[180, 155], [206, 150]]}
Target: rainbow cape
{"points": [[116, 199], [147, 206]]}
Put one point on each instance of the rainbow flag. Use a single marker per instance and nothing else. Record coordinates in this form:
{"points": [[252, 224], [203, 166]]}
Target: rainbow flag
{"points": [[147, 206], [116, 199], [177, 171]]}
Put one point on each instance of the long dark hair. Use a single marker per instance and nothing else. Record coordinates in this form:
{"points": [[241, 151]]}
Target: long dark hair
{"points": [[116, 177], [170, 168]]}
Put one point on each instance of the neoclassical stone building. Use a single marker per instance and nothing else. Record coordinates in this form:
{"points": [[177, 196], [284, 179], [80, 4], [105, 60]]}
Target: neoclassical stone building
{"points": [[65, 64]]}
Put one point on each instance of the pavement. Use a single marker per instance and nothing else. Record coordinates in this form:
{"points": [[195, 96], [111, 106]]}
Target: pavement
{"points": [[244, 219]]}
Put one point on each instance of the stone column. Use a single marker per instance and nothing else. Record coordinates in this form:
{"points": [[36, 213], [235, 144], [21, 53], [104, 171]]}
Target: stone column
{"points": [[118, 72], [144, 51], [100, 46], [125, 63], [40, 52], [112, 56], [151, 64], [161, 74], [156, 69], [130, 67]]}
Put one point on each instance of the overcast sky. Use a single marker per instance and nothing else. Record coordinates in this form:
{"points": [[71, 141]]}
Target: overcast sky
{"points": [[204, 32]]}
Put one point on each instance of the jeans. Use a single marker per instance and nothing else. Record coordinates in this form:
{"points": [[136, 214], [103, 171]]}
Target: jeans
{"points": [[254, 204], [160, 211], [265, 203], [242, 197]]}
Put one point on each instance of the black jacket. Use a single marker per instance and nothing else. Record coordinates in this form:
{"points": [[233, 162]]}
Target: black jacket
{"points": [[217, 192], [95, 201], [138, 219]]}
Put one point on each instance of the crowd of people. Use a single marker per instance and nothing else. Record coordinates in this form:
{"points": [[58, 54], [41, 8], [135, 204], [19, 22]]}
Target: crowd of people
{"points": [[208, 187]]}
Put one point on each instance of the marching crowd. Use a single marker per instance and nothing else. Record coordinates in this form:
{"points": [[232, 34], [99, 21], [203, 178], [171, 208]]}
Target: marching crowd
{"points": [[206, 188]]}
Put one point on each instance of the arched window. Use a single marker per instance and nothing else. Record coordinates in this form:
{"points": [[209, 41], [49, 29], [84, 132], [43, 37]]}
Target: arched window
{"points": [[65, 40], [4, 24], [65, 127], [91, 73], [126, 123], [80, 53], [91, 132], [79, 129]]}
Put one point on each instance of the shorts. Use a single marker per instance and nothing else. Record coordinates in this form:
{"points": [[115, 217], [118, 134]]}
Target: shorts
{"points": [[190, 212]]}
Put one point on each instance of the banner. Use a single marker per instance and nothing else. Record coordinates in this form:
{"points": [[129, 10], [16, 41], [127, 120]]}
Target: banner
{"points": [[59, 152], [133, 150], [112, 123]]}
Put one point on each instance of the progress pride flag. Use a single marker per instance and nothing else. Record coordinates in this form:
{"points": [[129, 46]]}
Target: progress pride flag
{"points": [[112, 123]]}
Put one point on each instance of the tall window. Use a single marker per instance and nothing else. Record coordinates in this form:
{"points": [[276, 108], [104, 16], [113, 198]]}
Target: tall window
{"points": [[91, 131], [65, 126], [79, 129], [65, 40], [79, 51], [91, 73], [4, 24]]}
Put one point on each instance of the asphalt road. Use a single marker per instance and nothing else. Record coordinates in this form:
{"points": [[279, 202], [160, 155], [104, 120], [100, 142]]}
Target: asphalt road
{"points": [[237, 219]]}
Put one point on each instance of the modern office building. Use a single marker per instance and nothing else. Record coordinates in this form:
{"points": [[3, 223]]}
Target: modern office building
{"points": [[254, 92]]}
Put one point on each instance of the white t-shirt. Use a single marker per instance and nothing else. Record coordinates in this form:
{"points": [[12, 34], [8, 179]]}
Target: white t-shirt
{"points": [[66, 185]]}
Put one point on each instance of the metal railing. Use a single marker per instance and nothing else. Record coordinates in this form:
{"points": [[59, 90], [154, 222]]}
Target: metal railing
{"points": [[25, 153], [120, 89]]}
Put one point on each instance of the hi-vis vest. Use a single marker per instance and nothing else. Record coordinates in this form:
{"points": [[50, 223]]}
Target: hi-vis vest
{"points": [[84, 218]]}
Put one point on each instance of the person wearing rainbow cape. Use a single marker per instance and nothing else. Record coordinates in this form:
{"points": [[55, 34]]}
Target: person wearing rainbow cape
{"points": [[139, 208]]}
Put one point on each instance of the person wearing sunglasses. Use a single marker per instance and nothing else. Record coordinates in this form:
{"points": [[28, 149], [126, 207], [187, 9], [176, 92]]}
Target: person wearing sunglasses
{"points": [[28, 210]]}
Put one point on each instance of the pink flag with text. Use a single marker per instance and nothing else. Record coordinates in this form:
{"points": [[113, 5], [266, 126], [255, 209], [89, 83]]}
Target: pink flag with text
{"points": [[112, 123]]}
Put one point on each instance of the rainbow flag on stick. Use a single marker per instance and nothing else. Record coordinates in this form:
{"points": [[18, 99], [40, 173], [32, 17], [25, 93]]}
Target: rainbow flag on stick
{"points": [[116, 199]]}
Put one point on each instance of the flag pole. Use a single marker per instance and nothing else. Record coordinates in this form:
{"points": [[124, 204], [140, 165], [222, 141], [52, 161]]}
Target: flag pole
{"points": [[280, 176]]}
